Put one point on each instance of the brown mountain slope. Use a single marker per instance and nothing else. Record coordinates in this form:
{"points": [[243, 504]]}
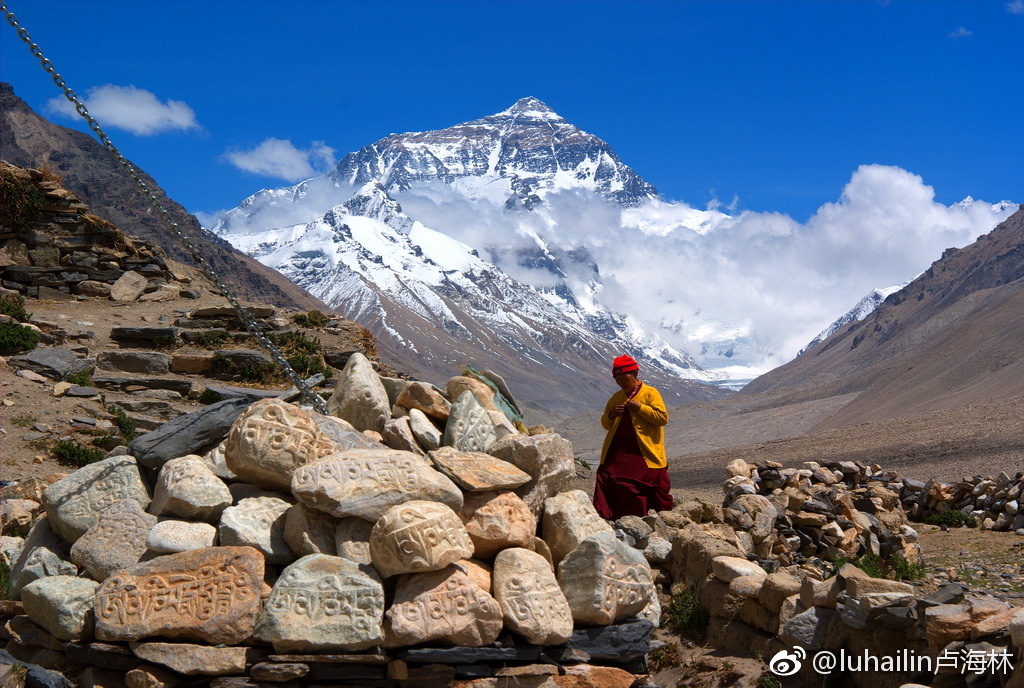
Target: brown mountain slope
{"points": [[91, 173]]}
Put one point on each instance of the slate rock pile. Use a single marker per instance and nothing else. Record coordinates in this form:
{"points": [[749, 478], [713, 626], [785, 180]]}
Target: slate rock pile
{"points": [[261, 542], [995, 503], [65, 253]]}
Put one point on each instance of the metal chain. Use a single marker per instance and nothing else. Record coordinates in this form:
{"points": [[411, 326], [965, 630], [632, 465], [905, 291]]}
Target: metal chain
{"points": [[243, 314]]}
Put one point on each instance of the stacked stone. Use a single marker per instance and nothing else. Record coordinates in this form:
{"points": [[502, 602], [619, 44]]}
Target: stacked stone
{"points": [[66, 254], [994, 502], [303, 547], [829, 511]]}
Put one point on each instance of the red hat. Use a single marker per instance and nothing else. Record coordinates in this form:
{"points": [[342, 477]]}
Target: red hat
{"points": [[623, 364]]}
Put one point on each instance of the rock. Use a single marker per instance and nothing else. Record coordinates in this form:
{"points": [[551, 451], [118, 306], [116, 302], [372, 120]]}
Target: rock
{"points": [[322, 603], [150, 676], [418, 536], [308, 531], [269, 440], [117, 540], [28, 632], [359, 396], [56, 363], [75, 503], [147, 362], [352, 540], [548, 458], [658, 550], [1016, 629], [531, 601], [397, 434], [497, 520], [128, 287], [426, 399], [807, 629], [257, 522], [460, 384], [469, 427], [278, 672], [776, 588], [569, 519], [168, 537], [193, 660], [622, 642], [165, 292], [342, 433], [215, 461], [425, 432], [367, 482], [858, 587], [160, 597], [738, 467], [16, 515], [43, 554], [747, 586], [728, 568], [442, 606], [63, 605], [193, 433], [189, 489], [945, 623], [605, 581], [476, 471]]}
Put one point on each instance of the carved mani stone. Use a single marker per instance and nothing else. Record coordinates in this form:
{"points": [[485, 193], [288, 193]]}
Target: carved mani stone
{"points": [[308, 531], [257, 522], [548, 458], [75, 503], [352, 540], [469, 427], [189, 489], [323, 603], [359, 396], [569, 519], [269, 440], [605, 581], [531, 601], [445, 606], [117, 540], [496, 521], [418, 536], [209, 594], [368, 482]]}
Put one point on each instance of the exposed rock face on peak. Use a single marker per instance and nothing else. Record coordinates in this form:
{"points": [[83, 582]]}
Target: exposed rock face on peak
{"points": [[526, 148]]}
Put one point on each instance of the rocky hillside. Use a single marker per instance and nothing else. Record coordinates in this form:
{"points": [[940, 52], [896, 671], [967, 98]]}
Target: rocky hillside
{"points": [[87, 170]]}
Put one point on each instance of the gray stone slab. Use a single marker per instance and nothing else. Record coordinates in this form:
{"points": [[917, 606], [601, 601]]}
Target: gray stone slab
{"points": [[193, 433]]}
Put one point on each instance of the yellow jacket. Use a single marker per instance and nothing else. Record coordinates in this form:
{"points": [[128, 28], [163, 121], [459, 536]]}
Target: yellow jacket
{"points": [[649, 422]]}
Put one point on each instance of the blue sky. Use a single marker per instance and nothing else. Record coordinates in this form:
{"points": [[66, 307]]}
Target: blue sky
{"points": [[765, 106]]}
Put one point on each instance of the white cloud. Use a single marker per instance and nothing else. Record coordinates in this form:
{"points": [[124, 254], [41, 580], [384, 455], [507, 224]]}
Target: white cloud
{"points": [[961, 32], [132, 109], [279, 158], [1015, 7]]}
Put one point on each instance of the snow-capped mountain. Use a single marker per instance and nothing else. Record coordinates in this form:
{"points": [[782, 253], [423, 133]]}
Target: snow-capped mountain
{"points": [[863, 309]]}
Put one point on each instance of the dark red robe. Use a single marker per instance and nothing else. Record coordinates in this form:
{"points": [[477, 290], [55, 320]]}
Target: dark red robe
{"points": [[626, 485]]}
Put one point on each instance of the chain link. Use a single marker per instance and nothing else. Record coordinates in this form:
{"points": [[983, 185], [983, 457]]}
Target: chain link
{"points": [[244, 315]]}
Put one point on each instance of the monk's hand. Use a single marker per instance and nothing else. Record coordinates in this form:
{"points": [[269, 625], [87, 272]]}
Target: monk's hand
{"points": [[632, 406], [616, 411]]}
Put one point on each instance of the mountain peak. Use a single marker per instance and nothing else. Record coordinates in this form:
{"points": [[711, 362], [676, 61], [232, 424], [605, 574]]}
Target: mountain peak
{"points": [[531, 108]]}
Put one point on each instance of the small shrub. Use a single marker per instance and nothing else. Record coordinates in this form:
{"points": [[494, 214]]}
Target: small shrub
{"points": [[23, 420], [954, 518], [870, 564], [311, 319], [295, 342], [124, 423], [210, 339], [210, 397], [83, 378], [165, 341], [21, 198], [15, 338], [664, 658], [71, 453], [14, 306], [766, 680], [686, 615], [5, 579], [904, 570]]}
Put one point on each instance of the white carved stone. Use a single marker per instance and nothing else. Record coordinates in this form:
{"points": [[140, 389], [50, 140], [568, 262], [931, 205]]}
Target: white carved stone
{"points": [[269, 440], [569, 519], [496, 521], [605, 581], [426, 433], [352, 539], [308, 531], [75, 503], [458, 385], [443, 606], [117, 540], [476, 471], [469, 427], [217, 463], [418, 536], [168, 537], [323, 603], [367, 482], [548, 458], [257, 522], [189, 489], [359, 396], [531, 602]]}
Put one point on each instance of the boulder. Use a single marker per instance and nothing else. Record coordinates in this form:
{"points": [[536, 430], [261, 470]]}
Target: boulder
{"points": [[569, 519], [425, 432], [308, 531], [188, 488], [418, 536], [43, 553], [605, 580], [117, 540], [496, 521], [469, 427], [168, 537], [532, 603], [359, 396], [548, 458], [55, 363], [397, 434], [194, 660], [476, 471], [194, 433], [352, 539], [426, 399], [322, 603], [257, 522], [63, 605], [128, 287]]}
